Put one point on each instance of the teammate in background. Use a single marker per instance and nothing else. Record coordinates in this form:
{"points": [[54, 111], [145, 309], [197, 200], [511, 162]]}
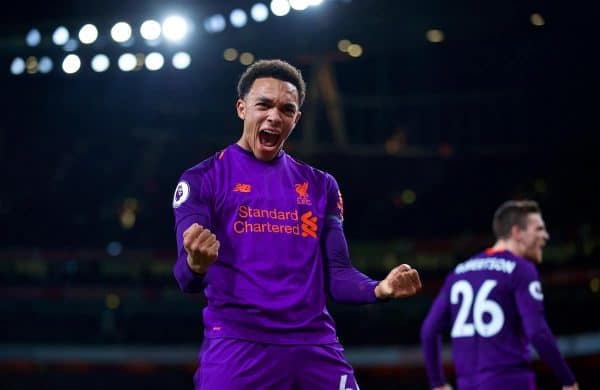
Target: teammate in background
{"points": [[260, 233], [493, 306]]}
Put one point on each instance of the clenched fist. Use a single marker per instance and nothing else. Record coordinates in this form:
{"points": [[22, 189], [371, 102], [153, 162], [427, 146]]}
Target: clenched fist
{"points": [[202, 247], [401, 282]]}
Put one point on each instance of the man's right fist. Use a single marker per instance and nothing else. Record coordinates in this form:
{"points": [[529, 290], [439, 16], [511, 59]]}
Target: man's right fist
{"points": [[202, 247]]}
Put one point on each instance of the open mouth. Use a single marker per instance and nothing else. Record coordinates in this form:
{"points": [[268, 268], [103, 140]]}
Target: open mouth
{"points": [[268, 138]]}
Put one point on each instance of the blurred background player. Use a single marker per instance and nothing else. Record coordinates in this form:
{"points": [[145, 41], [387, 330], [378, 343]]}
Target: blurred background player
{"points": [[493, 306], [261, 234]]}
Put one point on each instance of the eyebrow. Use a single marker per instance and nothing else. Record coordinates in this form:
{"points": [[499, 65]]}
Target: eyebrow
{"points": [[288, 105]]}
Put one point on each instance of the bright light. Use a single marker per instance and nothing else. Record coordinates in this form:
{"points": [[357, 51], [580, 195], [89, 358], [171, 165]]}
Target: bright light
{"points": [[175, 28], [215, 24], [181, 60], [537, 20], [88, 34], [299, 5], [33, 37], [71, 64], [100, 63], [280, 7], [343, 45], [127, 62], [17, 66], [355, 50], [114, 248], [314, 3], [435, 36], [238, 18], [60, 36], [246, 58], [150, 30], [154, 61], [71, 45], [31, 64], [230, 54], [121, 32], [259, 12], [45, 65]]}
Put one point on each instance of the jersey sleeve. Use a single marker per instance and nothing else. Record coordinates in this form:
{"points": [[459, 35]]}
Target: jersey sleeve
{"points": [[344, 283], [436, 323], [191, 204], [530, 303]]}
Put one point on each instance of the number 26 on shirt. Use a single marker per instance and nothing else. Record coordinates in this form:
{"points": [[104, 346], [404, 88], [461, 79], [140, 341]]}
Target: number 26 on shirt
{"points": [[462, 293]]}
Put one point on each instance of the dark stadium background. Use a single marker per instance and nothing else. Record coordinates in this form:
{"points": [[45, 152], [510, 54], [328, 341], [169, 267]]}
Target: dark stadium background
{"points": [[425, 139]]}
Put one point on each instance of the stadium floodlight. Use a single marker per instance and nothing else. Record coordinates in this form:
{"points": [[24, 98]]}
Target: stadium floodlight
{"points": [[230, 54], [120, 32], [114, 248], [17, 66], [354, 50], [238, 18], [174, 28], [154, 61], [31, 64], [259, 12], [88, 34], [45, 65], [60, 36], [33, 37], [127, 62], [181, 60], [71, 64], [280, 7], [100, 63], [215, 23], [150, 30], [299, 5], [435, 35], [71, 45], [246, 58]]}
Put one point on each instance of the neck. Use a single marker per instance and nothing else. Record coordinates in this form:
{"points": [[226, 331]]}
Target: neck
{"points": [[507, 245]]}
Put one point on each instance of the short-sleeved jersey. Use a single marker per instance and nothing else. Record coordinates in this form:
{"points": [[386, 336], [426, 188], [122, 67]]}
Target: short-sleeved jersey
{"points": [[267, 284], [485, 302]]}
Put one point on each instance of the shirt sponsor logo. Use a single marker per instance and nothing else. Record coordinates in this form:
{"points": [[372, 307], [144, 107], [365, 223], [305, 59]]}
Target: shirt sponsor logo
{"points": [[302, 191], [241, 187], [182, 192], [255, 220], [535, 289], [309, 225]]}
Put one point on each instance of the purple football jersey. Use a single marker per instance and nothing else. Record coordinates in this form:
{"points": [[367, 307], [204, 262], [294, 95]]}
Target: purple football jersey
{"points": [[493, 305], [269, 281]]}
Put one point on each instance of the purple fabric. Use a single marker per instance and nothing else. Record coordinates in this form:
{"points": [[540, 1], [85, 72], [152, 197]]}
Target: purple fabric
{"points": [[282, 248], [231, 364], [493, 306], [499, 381]]}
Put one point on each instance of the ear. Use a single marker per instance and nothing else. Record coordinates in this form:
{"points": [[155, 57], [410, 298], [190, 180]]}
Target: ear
{"points": [[298, 115], [240, 107]]}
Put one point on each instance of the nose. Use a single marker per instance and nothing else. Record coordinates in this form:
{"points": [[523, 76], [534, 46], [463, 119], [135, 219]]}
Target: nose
{"points": [[274, 116]]}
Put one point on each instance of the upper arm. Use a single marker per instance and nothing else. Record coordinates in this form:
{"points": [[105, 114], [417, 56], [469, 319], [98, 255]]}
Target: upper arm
{"points": [[192, 200], [530, 300], [438, 318]]}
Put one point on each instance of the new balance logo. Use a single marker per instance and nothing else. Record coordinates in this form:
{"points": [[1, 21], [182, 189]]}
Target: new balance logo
{"points": [[240, 187], [309, 224]]}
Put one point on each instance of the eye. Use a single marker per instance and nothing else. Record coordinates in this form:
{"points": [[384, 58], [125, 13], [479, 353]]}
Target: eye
{"points": [[289, 110]]}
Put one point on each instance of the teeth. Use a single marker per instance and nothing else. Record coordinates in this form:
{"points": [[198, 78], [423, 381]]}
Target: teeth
{"points": [[270, 132]]}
